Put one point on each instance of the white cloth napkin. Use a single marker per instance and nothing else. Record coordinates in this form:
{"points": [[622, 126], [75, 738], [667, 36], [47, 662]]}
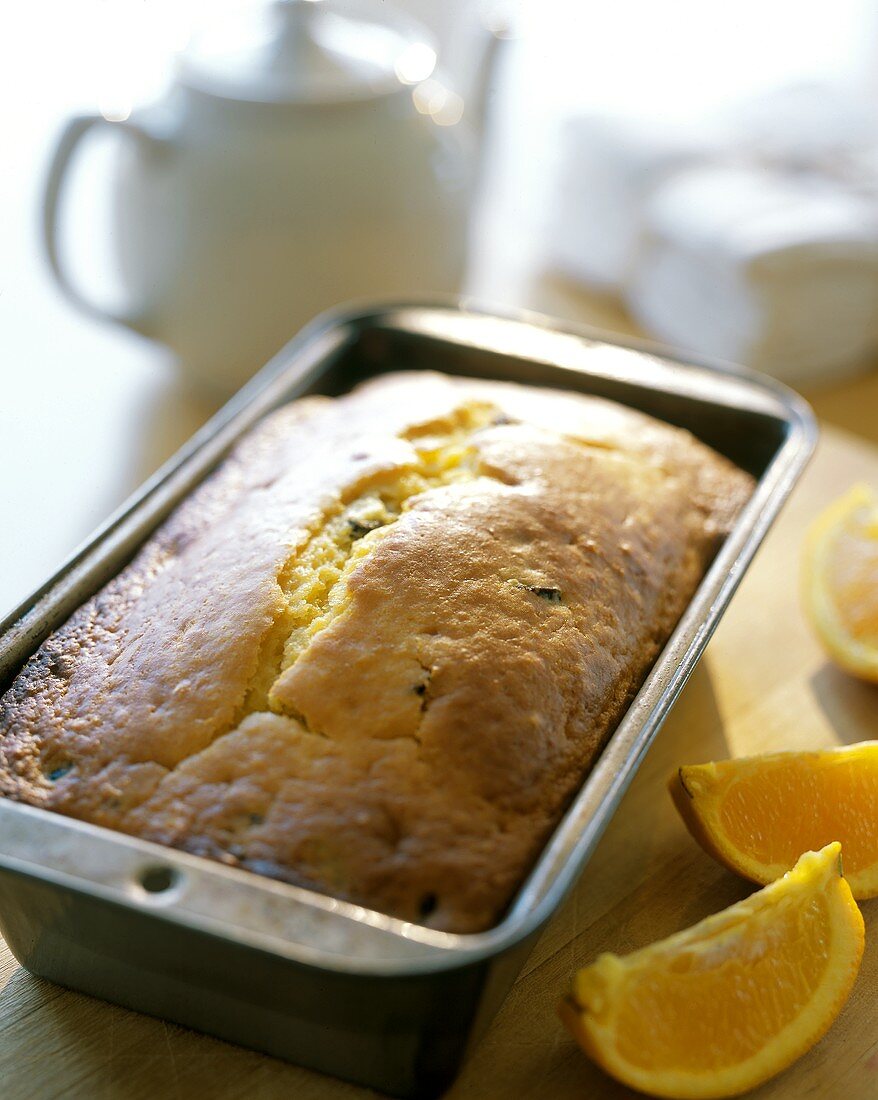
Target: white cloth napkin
{"points": [[750, 235], [778, 271]]}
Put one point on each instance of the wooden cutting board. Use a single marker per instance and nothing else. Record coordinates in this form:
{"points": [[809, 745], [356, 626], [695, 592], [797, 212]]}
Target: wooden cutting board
{"points": [[763, 684]]}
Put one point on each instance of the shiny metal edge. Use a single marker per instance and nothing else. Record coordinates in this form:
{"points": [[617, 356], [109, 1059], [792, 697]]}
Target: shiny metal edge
{"points": [[310, 927]]}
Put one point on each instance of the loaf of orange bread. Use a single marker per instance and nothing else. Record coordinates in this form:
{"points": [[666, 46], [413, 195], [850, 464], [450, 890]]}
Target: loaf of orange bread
{"points": [[378, 650]]}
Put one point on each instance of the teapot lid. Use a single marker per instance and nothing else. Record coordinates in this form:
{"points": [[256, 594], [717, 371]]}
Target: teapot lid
{"points": [[309, 51]]}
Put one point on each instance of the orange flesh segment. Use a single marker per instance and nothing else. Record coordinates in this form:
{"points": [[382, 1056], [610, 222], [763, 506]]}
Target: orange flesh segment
{"points": [[776, 809], [852, 575], [695, 1015], [719, 1008], [840, 581]]}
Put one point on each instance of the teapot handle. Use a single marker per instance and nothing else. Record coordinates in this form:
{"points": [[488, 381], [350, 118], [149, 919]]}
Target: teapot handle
{"points": [[74, 131]]}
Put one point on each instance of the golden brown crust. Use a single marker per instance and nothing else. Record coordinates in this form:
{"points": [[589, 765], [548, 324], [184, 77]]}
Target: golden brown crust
{"points": [[378, 650]]}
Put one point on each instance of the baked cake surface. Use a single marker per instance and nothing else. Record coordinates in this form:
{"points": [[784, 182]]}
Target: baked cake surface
{"points": [[377, 651]]}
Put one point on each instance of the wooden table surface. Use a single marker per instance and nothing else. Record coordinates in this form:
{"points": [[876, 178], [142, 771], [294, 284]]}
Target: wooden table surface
{"points": [[763, 684]]}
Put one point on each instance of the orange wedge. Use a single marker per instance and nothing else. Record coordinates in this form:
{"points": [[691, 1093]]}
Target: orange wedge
{"points": [[756, 814], [840, 581], [717, 1009]]}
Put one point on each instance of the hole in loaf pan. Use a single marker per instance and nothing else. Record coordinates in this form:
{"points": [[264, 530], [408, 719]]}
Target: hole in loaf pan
{"points": [[159, 879]]}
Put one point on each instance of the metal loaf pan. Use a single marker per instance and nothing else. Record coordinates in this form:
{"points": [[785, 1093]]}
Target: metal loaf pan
{"points": [[311, 979]]}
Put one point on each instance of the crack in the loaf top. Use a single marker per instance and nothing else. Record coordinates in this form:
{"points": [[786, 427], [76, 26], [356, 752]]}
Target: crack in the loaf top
{"points": [[313, 581]]}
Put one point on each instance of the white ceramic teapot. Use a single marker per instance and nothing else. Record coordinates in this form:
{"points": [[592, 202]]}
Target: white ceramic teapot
{"points": [[309, 157]]}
